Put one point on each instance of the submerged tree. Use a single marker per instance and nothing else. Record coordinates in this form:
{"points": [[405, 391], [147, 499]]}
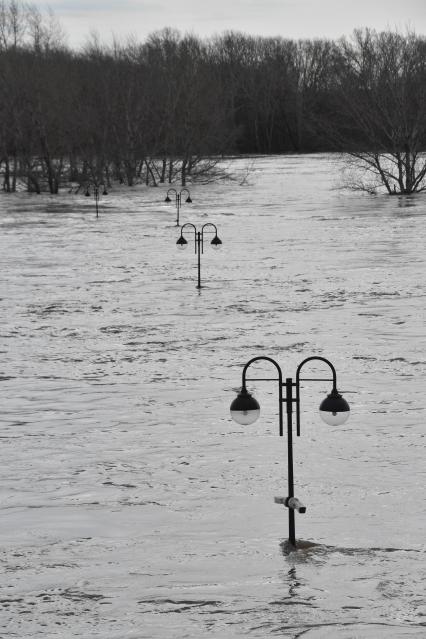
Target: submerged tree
{"points": [[171, 108], [379, 97]]}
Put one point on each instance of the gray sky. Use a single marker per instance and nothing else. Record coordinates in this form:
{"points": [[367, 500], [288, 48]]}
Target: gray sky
{"points": [[287, 18]]}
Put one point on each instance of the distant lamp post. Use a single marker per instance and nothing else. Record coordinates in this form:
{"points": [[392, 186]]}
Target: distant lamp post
{"points": [[182, 243], [178, 200], [96, 191], [334, 410]]}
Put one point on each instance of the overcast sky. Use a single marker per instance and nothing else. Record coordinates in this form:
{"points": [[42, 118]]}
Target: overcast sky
{"points": [[287, 18]]}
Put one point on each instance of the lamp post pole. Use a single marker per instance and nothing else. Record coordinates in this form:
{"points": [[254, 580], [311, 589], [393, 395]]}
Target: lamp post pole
{"points": [[178, 200], [198, 250], [96, 193], [334, 410], [182, 243]]}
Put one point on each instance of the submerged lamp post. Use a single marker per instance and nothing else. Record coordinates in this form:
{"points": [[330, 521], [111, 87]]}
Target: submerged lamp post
{"points": [[182, 243], [334, 410], [178, 200], [96, 188]]}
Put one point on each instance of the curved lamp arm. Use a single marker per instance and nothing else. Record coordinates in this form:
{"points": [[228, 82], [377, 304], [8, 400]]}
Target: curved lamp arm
{"points": [[257, 359], [319, 379], [202, 233], [171, 190], [195, 232], [208, 224], [279, 379]]}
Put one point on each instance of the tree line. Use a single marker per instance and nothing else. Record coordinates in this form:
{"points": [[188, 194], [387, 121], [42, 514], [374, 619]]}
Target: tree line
{"points": [[167, 109]]}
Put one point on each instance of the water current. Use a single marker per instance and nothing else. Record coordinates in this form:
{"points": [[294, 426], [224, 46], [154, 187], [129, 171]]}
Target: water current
{"points": [[132, 506]]}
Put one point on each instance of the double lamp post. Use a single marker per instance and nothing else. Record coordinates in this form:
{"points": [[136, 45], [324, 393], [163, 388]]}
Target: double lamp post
{"points": [[334, 410], [96, 194], [178, 200], [182, 242]]}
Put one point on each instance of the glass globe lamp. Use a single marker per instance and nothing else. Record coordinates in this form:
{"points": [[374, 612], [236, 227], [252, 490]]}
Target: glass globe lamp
{"points": [[245, 408], [216, 242], [181, 243], [334, 409]]}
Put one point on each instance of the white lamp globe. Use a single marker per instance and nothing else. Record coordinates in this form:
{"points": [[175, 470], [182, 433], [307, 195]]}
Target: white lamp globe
{"points": [[216, 242], [181, 243], [245, 409], [334, 409]]}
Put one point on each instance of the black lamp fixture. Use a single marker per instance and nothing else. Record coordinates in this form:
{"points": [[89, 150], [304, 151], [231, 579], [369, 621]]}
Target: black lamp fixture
{"points": [[182, 243], [245, 408], [334, 411], [215, 243], [178, 200]]}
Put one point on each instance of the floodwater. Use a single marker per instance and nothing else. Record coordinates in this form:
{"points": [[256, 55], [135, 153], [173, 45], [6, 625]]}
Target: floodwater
{"points": [[132, 506]]}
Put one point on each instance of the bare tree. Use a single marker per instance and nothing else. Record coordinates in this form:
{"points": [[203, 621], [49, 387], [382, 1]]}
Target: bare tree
{"points": [[380, 119], [13, 23]]}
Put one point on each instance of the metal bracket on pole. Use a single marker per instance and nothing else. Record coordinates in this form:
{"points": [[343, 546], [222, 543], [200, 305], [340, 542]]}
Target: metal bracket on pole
{"points": [[291, 502]]}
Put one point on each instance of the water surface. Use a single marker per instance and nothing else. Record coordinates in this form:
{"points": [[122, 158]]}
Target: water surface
{"points": [[131, 505]]}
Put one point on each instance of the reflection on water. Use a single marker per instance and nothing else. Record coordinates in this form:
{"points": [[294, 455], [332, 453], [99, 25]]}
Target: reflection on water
{"points": [[132, 506]]}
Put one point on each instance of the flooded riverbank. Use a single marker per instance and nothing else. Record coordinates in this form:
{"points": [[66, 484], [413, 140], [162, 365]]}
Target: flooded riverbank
{"points": [[132, 505]]}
